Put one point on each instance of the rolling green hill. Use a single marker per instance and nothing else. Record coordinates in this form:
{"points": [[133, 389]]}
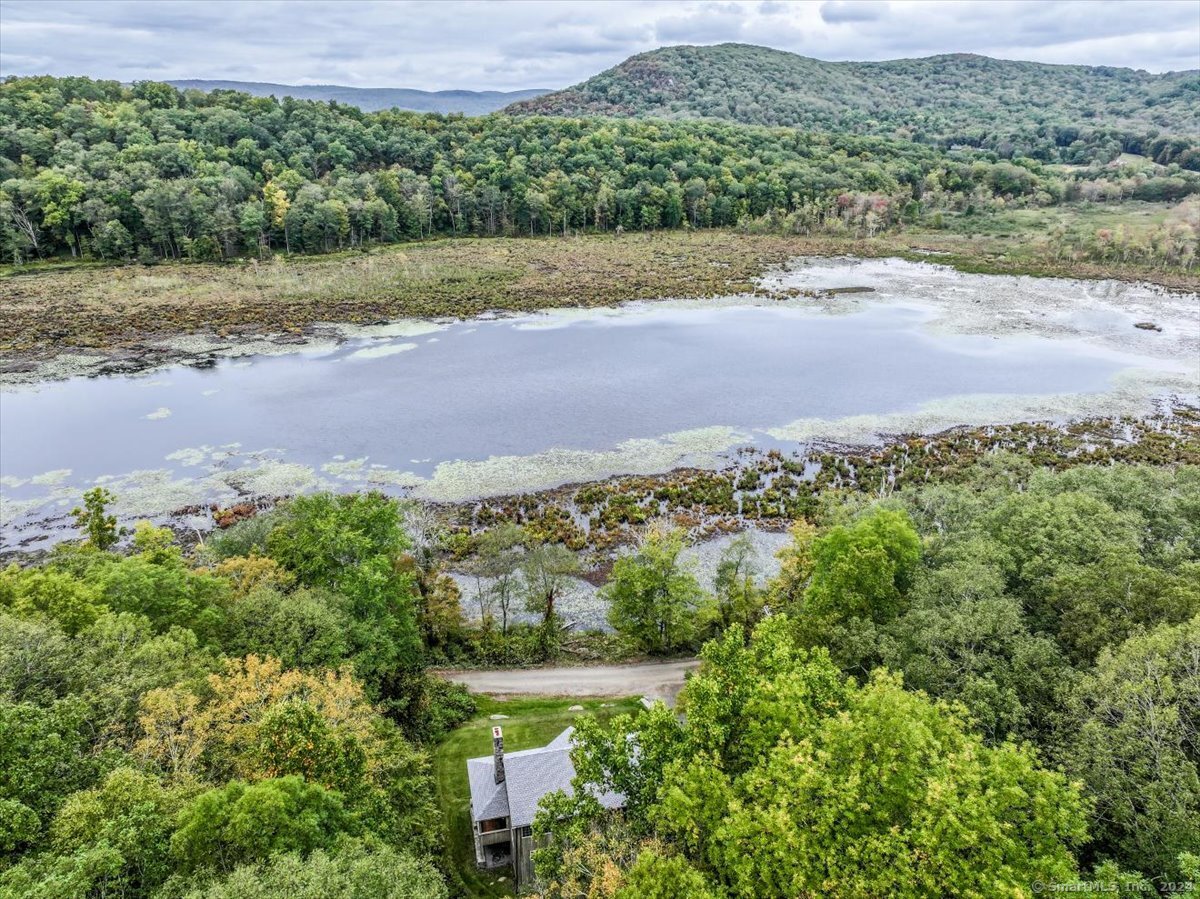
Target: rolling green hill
{"points": [[1047, 111]]}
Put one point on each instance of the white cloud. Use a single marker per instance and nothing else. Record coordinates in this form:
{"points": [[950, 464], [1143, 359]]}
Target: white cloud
{"points": [[526, 43]]}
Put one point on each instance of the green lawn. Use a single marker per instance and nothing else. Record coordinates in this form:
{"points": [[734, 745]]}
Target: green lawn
{"points": [[530, 723]]}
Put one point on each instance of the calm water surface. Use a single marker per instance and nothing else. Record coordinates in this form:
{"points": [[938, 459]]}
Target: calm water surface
{"points": [[518, 387]]}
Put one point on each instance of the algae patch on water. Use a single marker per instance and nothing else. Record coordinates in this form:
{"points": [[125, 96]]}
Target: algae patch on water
{"points": [[460, 480], [378, 352]]}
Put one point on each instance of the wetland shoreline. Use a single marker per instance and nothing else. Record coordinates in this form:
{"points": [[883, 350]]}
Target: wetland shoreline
{"points": [[93, 321], [753, 490]]}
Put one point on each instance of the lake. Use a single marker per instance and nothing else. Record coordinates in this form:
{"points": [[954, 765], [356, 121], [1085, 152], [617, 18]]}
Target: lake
{"points": [[488, 406]]}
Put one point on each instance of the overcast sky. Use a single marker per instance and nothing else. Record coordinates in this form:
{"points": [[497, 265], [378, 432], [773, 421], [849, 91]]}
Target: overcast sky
{"points": [[527, 43]]}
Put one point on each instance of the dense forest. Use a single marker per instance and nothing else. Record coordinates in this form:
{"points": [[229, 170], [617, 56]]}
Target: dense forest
{"points": [[1053, 113], [966, 688], [96, 169], [249, 727]]}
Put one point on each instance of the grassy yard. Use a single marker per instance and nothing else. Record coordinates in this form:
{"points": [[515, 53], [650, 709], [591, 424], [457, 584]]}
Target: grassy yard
{"points": [[530, 723]]}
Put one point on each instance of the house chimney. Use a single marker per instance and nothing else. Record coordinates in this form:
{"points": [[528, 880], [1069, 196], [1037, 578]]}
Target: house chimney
{"points": [[498, 753]]}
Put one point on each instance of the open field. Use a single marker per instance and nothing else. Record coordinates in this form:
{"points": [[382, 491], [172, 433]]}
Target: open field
{"points": [[531, 722], [45, 311], [1031, 228], [93, 307]]}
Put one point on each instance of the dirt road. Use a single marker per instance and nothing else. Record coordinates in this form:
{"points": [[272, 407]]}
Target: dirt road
{"points": [[657, 680]]}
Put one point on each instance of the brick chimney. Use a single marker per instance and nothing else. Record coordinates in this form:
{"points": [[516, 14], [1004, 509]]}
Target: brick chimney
{"points": [[498, 753]]}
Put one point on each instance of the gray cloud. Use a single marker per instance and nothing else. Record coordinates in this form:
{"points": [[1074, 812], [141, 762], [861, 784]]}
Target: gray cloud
{"points": [[703, 27], [524, 43], [837, 11], [142, 65]]}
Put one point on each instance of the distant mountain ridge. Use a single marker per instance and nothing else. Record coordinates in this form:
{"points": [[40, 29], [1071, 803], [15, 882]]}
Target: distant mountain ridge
{"points": [[372, 99], [935, 99]]}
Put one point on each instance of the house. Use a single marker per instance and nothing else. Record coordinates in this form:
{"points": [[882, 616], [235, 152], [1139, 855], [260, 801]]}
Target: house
{"points": [[505, 791]]}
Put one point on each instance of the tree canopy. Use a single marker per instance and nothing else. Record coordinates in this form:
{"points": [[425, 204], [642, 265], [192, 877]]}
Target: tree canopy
{"points": [[175, 723], [95, 168], [786, 779]]}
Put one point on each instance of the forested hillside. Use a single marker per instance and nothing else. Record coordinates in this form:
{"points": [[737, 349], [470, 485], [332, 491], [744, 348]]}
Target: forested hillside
{"points": [[969, 686], [96, 169], [1070, 114], [371, 99]]}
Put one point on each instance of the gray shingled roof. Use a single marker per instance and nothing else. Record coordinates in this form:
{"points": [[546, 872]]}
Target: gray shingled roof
{"points": [[529, 775], [488, 798]]}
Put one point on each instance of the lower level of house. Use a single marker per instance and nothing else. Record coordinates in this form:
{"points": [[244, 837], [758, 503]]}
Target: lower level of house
{"points": [[499, 846]]}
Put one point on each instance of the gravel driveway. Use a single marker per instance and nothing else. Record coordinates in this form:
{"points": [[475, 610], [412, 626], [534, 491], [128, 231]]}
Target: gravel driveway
{"points": [[656, 680]]}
